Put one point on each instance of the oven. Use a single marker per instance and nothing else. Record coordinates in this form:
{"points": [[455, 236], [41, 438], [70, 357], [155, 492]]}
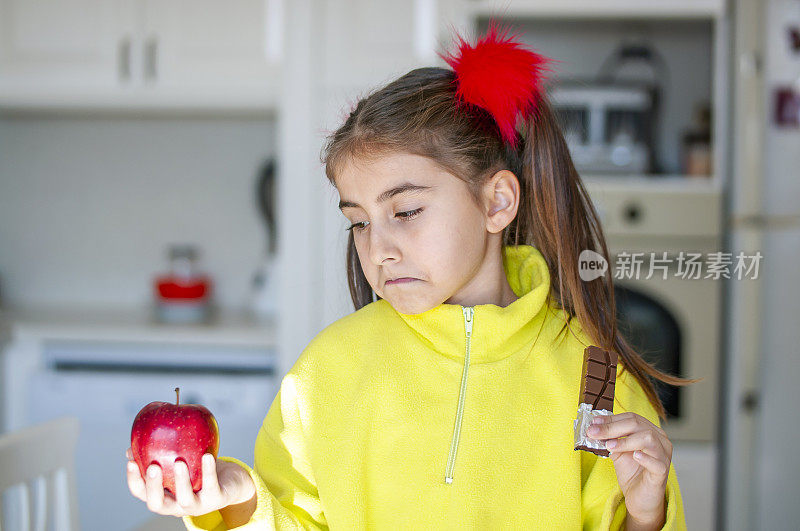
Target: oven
{"points": [[669, 313]]}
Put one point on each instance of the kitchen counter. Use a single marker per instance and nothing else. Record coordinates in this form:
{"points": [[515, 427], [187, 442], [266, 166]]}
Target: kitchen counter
{"points": [[30, 338]]}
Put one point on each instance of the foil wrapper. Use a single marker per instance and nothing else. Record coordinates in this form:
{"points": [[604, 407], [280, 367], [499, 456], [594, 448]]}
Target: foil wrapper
{"points": [[582, 422]]}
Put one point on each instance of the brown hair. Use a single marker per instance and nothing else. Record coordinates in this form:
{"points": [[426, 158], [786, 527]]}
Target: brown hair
{"points": [[418, 114]]}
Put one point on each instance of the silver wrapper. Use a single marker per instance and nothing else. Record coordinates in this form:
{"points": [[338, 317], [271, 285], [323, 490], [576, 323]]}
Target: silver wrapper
{"points": [[582, 423]]}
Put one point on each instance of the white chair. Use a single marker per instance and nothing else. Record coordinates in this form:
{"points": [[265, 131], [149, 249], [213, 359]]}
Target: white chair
{"points": [[34, 456]]}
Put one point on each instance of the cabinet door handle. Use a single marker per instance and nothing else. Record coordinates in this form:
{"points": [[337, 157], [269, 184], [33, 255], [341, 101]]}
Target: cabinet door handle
{"points": [[150, 57], [124, 58]]}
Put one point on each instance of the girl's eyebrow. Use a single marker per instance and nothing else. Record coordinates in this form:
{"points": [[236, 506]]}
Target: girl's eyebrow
{"points": [[403, 188]]}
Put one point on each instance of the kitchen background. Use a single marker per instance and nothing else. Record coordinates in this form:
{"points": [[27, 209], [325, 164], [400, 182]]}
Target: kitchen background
{"points": [[165, 220]]}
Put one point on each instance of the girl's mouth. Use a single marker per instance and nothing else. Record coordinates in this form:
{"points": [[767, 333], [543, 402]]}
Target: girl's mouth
{"points": [[401, 280]]}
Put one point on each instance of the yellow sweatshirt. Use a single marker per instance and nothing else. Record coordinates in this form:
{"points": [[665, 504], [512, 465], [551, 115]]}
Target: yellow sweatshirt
{"points": [[458, 417]]}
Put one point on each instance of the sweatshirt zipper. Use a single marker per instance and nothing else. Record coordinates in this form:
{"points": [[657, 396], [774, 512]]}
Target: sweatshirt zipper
{"points": [[468, 315]]}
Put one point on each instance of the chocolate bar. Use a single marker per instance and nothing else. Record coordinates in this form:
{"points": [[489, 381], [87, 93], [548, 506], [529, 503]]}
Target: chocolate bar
{"points": [[597, 396]]}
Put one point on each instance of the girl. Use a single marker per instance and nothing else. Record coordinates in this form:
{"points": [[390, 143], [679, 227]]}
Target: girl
{"points": [[447, 399]]}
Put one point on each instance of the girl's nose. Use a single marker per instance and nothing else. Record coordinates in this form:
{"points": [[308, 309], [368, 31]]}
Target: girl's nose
{"points": [[381, 246]]}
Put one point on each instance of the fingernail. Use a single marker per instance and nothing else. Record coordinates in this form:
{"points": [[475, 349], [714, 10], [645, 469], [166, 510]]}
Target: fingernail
{"points": [[131, 466], [597, 420], [151, 472], [611, 444]]}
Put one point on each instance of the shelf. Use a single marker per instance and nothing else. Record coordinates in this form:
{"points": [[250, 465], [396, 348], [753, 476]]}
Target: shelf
{"points": [[654, 183], [132, 325], [666, 9]]}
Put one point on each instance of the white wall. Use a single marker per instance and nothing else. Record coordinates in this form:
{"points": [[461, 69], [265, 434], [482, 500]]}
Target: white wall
{"points": [[88, 205]]}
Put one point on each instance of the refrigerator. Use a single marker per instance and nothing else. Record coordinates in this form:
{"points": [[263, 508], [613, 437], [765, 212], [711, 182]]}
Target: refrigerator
{"points": [[760, 468]]}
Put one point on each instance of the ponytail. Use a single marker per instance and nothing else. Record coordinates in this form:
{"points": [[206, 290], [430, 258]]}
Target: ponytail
{"points": [[556, 215]]}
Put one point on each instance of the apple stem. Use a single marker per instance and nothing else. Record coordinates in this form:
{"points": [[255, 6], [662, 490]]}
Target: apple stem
{"points": [[177, 395]]}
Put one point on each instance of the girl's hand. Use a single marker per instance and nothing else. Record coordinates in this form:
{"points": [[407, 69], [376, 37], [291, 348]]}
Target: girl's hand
{"points": [[642, 455], [224, 484]]}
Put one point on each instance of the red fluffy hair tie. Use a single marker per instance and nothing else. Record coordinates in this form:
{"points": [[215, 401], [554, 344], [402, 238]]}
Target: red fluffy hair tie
{"points": [[499, 75]]}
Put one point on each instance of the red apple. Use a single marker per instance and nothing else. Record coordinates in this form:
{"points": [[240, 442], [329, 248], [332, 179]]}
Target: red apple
{"points": [[163, 433]]}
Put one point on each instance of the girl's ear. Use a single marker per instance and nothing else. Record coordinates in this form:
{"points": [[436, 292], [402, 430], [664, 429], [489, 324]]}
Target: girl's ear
{"points": [[501, 193]]}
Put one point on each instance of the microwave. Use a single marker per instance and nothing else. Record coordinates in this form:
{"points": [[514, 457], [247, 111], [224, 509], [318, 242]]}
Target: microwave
{"points": [[609, 127]]}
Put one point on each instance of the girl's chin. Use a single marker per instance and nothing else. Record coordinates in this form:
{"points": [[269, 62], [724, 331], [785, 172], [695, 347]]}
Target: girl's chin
{"points": [[409, 307]]}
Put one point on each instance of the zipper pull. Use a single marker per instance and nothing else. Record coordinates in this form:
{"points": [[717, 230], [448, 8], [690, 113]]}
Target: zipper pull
{"points": [[468, 314]]}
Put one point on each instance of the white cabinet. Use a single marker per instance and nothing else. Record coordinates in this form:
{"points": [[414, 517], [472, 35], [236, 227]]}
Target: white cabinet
{"points": [[211, 43], [62, 42], [138, 54], [367, 43]]}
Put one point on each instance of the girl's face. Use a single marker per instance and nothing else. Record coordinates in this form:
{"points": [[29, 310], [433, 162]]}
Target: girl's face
{"points": [[433, 233]]}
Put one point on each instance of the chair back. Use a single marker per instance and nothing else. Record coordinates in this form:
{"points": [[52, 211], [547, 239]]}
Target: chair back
{"points": [[37, 477]]}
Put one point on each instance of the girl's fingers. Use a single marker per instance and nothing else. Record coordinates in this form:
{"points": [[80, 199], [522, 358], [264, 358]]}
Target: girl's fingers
{"points": [[184, 495], [608, 419], [646, 440], [209, 494], [210, 482], [621, 425], [619, 416], [185, 501], [617, 428], [655, 466], [135, 482], [154, 487]]}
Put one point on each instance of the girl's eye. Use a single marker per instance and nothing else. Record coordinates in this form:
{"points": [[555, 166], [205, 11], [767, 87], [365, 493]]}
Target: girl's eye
{"points": [[405, 216]]}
